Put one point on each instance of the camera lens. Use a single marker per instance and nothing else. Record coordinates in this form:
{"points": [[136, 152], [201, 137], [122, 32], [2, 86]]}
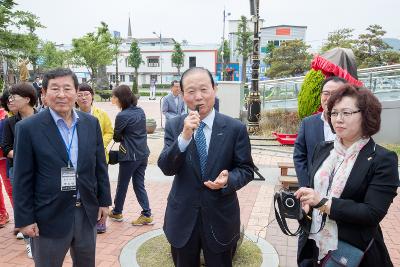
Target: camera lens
{"points": [[289, 202]]}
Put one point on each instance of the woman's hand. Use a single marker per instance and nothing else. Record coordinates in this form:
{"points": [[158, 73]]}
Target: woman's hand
{"points": [[308, 196]]}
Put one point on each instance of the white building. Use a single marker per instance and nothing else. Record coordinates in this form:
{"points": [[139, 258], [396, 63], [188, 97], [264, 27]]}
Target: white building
{"points": [[157, 62]]}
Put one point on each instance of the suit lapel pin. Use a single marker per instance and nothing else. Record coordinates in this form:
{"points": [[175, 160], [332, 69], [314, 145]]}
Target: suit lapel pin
{"points": [[220, 133], [369, 158]]}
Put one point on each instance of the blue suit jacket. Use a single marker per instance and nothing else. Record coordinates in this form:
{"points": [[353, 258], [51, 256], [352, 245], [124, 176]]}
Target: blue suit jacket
{"points": [[170, 109], [229, 149], [40, 153], [310, 134]]}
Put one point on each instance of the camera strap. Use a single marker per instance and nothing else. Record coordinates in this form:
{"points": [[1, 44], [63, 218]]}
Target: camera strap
{"points": [[282, 220], [304, 223]]}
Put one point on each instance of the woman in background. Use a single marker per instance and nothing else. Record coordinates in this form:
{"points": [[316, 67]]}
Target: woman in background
{"points": [[85, 102], [130, 131]]}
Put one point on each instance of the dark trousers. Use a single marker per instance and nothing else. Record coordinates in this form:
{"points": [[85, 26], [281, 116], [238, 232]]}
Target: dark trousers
{"points": [[189, 255], [81, 240], [134, 170]]}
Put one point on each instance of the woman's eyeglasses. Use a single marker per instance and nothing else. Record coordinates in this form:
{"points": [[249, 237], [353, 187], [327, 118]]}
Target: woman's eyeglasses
{"points": [[344, 113]]}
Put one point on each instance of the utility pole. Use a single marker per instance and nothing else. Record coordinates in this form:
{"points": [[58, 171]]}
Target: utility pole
{"points": [[254, 104], [223, 45]]}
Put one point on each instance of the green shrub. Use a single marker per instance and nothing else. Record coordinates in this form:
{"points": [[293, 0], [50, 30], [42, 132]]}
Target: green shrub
{"points": [[1, 84], [279, 120], [147, 93], [309, 98], [165, 85], [104, 94]]}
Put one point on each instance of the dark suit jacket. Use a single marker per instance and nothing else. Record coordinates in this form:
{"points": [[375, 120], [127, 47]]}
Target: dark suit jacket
{"points": [[311, 133], [130, 130], [369, 191], [40, 154], [229, 149]]}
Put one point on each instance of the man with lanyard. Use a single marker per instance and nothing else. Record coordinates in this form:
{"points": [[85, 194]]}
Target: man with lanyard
{"points": [[61, 182]]}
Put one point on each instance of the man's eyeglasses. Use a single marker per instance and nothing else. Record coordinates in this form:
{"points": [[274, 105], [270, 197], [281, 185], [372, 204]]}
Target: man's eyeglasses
{"points": [[82, 95], [344, 113], [327, 93], [13, 98]]}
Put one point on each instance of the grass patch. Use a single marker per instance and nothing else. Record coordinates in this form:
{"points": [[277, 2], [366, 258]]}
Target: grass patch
{"points": [[392, 147], [157, 252]]}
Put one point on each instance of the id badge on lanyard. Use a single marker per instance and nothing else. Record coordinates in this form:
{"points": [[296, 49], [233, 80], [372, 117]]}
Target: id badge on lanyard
{"points": [[68, 174]]}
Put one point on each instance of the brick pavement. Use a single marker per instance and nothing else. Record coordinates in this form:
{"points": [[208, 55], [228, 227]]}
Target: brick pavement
{"points": [[255, 201]]}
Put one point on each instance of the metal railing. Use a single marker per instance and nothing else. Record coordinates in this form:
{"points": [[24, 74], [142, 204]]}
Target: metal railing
{"points": [[383, 81]]}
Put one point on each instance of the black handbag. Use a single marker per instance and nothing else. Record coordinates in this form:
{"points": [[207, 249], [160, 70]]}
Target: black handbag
{"points": [[112, 156]]}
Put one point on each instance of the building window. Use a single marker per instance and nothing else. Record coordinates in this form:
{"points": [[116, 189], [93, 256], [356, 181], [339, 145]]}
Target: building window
{"points": [[122, 78], [153, 62], [276, 43], [131, 77], [126, 62], [84, 80], [192, 62], [112, 78]]}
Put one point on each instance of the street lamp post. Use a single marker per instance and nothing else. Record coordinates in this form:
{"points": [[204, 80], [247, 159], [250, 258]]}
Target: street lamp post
{"points": [[254, 104], [225, 15], [159, 36]]}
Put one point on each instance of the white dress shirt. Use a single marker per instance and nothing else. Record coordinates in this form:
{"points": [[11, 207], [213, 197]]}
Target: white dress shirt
{"points": [[328, 135], [209, 121]]}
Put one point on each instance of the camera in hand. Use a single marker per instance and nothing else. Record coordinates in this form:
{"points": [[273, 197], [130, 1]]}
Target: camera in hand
{"points": [[290, 207]]}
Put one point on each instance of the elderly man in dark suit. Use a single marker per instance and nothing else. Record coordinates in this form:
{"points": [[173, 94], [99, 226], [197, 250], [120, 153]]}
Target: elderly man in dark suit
{"points": [[173, 104], [61, 182], [313, 130], [210, 156]]}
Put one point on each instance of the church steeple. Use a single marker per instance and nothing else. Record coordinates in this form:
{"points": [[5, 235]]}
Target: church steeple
{"points": [[129, 28]]}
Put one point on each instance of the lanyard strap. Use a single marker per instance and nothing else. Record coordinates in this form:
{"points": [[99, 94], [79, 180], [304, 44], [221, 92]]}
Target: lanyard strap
{"points": [[68, 147]]}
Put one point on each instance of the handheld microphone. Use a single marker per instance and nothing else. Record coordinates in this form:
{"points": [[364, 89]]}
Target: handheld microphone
{"points": [[197, 108]]}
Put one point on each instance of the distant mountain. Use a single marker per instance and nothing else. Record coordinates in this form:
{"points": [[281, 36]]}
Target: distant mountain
{"points": [[393, 42]]}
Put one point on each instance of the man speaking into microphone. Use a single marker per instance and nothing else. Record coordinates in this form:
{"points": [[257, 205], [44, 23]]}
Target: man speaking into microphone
{"points": [[210, 155]]}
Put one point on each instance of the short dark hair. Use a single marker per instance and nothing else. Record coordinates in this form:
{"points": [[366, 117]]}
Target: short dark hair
{"points": [[335, 79], [24, 90], [369, 105], [174, 81], [194, 69], [86, 87], [125, 96], [4, 99], [59, 72]]}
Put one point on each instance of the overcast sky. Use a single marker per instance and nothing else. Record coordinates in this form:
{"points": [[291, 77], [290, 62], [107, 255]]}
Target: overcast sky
{"points": [[201, 21]]}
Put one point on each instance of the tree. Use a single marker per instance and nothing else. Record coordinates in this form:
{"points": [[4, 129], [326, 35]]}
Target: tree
{"points": [[289, 59], [244, 45], [178, 57], [224, 55], [339, 38], [370, 46], [135, 60], [117, 41], [17, 37], [94, 50], [50, 57]]}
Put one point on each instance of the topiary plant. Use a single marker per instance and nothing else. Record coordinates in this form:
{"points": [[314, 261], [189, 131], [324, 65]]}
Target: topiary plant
{"points": [[309, 98]]}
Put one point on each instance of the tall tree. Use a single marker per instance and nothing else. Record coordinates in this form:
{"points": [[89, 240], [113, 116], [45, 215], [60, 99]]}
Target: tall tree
{"points": [[370, 47], [94, 50], [224, 56], [339, 38], [244, 45], [178, 57], [17, 34], [289, 59], [135, 60], [50, 57], [117, 41]]}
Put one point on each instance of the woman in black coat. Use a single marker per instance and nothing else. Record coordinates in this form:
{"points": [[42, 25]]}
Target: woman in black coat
{"points": [[353, 182], [130, 131]]}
